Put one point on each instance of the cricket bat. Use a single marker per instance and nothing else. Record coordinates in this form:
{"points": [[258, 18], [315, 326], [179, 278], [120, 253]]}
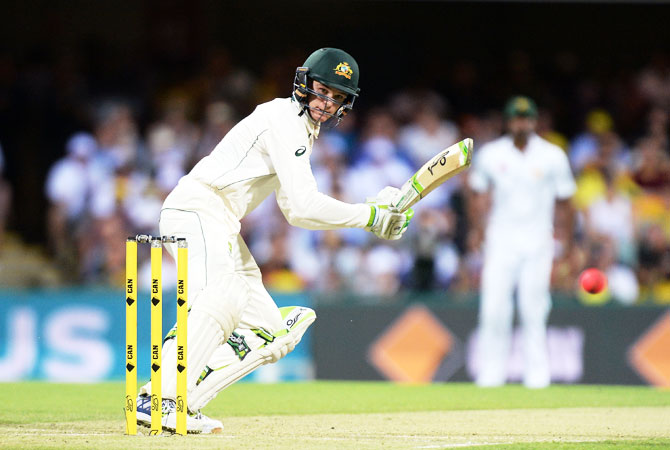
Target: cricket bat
{"points": [[436, 171]]}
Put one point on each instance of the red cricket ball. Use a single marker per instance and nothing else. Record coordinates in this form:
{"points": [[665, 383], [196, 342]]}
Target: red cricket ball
{"points": [[593, 280]]}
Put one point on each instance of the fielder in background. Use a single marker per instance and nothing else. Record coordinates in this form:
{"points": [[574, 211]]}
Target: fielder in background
{"points": [[234, 326], [519, 178]]}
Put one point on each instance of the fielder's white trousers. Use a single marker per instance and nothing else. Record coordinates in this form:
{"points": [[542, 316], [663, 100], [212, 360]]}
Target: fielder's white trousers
{"points": [[507, 267]]}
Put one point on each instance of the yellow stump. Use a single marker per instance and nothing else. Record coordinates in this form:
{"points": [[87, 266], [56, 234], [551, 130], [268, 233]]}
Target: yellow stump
{"points": [[182, 319], [131, 335], [156, 334]]}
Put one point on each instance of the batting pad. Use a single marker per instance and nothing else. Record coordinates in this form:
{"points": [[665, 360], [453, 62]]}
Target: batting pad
{"points": [[262, 348], [204, 336]]}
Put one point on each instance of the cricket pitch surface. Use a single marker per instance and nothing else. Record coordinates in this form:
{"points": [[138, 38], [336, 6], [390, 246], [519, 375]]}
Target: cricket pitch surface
{"points": [[345, 415]]}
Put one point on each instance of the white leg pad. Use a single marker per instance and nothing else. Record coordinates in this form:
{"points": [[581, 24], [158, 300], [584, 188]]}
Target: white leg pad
{"points": [[205, 335], [214, 314], [228, 368]]}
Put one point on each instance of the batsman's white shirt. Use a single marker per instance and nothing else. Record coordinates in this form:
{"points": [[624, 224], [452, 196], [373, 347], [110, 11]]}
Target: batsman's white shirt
{"points": [[518, 251], [269, 151]]}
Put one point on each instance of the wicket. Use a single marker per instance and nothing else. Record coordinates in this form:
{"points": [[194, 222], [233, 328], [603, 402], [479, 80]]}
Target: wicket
{"points": [[156, 331]]}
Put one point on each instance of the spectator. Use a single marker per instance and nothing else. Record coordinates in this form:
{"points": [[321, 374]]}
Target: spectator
{"points": [[611, 216], [426, 135], [380, 162], [610, 156], [658, 125], [219, 119], [546, 130], [435, 256], [428, 132], [276, 269], [653, 262], [584, 147], [176, 113], [69, 188], [122, 172], [383, 270], [651, 170], [621, 280], [338, 264], [223, 79], [654, 81]]}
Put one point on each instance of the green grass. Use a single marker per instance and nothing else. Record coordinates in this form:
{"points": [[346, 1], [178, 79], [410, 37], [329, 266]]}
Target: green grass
{"points": [[353, 415]]}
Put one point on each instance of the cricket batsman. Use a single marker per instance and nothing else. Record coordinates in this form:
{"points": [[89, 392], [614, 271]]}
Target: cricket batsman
{"points": [[234, 326]]}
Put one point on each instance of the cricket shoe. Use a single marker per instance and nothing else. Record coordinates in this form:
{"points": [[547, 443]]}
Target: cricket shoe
{"points": [[208, 425], [196, 423]]}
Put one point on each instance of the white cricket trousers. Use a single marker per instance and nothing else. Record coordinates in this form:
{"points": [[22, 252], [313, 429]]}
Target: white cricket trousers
{"points": [[224, 281], [216, 249], [507, 267]]}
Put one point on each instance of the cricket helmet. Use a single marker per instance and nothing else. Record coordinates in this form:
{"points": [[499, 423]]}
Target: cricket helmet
{"points": [[333, 67], [520, 106]]}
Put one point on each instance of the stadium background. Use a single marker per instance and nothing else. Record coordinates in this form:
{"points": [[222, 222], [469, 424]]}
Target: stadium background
{"points": [[63, 67]]}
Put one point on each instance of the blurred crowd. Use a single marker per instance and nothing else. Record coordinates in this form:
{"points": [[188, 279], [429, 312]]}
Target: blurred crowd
{"points": [[113, 177]]}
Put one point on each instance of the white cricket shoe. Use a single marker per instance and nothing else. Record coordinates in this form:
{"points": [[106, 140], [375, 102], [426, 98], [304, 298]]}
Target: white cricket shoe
{"points": [[195, 422], [208, 425]]}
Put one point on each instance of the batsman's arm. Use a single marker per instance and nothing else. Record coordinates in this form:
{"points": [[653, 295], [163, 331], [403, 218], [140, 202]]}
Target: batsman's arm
{"points": [[297, 194]]}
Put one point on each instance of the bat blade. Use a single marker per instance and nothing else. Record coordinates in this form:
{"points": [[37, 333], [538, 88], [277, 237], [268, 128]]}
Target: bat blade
{"points": [[433, 173]]}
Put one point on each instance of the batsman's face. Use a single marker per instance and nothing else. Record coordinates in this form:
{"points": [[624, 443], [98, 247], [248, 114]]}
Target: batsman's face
{"points": [[521, 126], [328, 101]]}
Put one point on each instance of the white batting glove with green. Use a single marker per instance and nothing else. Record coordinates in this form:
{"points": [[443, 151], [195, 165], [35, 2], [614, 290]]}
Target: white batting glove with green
{"points": [[385, 196], [385, 223]]}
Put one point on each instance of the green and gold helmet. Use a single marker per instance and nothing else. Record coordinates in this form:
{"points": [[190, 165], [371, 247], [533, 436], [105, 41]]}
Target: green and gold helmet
{"points": [[520, 106], [333, 67]]}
